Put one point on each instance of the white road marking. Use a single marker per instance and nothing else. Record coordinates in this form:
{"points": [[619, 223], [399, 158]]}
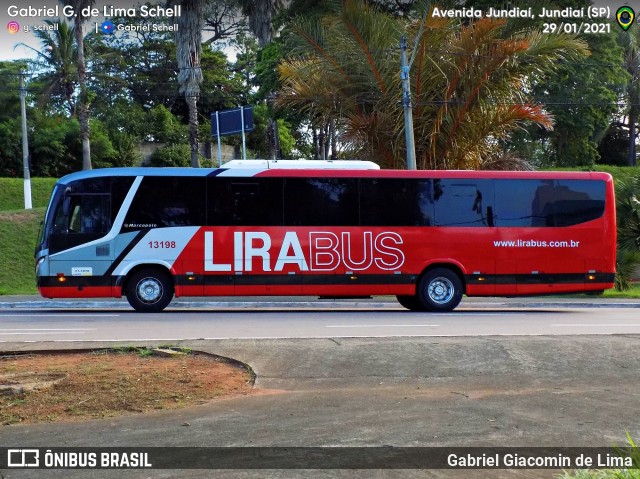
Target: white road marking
{"points": [[82, 315], [47, 329], [601, 325], [384, 326], [48, 333]]}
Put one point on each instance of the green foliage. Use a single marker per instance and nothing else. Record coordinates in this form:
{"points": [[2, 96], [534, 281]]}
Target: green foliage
{"points": [[165, 127], [171, 155], [633, 472], [266, 71], [582, 96], [11, 148], [222, 85], [9, 96], [57, 63], [628, 217], [54, 144], [287, 140], [614, 147], [103, 154], [469, 82]]}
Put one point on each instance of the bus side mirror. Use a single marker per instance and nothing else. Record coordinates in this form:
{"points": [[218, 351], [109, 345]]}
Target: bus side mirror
{"points": [[66, 202]]}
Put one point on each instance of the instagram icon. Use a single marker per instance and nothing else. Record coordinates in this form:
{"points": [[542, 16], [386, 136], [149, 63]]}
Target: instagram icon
{"points": [[13, 27]]}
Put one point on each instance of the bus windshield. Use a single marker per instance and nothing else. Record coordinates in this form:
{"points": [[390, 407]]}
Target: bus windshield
{"points": [[75, 218]]}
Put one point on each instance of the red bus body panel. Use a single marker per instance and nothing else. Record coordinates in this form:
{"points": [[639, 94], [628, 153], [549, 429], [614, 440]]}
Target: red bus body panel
{"points": [[362, 261]]}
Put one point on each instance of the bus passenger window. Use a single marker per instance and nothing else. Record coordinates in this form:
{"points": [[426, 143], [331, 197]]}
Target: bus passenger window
{"points": [[462, 202], [165, 201], [321, 202], [548, 203], [396, 202]]}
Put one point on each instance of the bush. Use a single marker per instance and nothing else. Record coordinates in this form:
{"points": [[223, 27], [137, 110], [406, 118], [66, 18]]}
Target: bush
{"points": [[171, 155]]}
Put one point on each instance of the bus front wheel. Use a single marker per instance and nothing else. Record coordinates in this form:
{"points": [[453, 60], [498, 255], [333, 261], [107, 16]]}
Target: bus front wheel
{"points": [[440, 289], [149, 290]]}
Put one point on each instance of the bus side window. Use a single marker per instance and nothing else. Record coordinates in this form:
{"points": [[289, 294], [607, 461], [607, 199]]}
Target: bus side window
{"points": [[321, 202], [463, 202], [87, 214], [244, 201], [396, 202], [95, 214], [165, 201], [548, 203]]}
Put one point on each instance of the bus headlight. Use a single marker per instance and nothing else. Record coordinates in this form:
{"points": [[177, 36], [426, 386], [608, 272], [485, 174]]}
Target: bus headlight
{"points": [[39, 262]]}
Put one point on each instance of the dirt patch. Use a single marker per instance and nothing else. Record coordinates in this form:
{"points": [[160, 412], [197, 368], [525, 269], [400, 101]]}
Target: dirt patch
{"points": [[112, 383], [19, 216]]}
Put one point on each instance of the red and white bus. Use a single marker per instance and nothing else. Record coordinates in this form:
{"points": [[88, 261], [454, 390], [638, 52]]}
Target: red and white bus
{"points": [[328, 229]]}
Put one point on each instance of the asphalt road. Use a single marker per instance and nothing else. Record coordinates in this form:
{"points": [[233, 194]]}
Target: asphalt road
{"points": [[256, 323], [551, 390]]}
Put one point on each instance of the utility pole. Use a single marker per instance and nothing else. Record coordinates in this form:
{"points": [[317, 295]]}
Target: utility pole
{"points": [[25, 145], [406, 103]]}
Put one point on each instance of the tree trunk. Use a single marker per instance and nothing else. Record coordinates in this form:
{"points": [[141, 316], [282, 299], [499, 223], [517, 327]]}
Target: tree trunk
{"points": [[315, 143], [83, 108], [633, 117], [189, 50], [334, 141], [321, 143], [192, 102]]}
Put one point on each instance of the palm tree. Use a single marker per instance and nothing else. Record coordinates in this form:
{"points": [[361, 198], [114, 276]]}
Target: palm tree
{"points": [[628, 217], [261, 14], [631, 49], [469, 82], [189, 51], [84, 100], [58, 58]]}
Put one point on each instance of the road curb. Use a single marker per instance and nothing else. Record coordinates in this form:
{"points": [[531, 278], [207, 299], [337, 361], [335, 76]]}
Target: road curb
{"points": [[475, 303]]}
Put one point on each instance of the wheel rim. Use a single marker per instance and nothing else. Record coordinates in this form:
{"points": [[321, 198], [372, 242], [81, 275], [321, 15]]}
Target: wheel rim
{"points": [[440, 290], [149, 290]]}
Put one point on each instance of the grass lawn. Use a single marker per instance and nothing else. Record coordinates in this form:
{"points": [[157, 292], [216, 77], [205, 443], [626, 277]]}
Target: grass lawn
{"points": [[18, 234], [634, 292], [12, 192]]}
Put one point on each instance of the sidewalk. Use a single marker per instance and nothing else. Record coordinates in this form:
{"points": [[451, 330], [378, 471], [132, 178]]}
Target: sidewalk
{"points": [[293, 302]]}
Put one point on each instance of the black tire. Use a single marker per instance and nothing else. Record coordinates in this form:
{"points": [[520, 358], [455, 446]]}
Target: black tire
{"points": [[149, 290], [409, 302], [440, 289]]}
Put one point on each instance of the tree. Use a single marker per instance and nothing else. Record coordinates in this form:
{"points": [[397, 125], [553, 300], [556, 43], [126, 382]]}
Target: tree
{"points": [[469, 82], [222, 19], [582, 96], [58, 57], [628, 218], [140, 67], [189, 51], [84, 102], [631, 47], [261, 14]]}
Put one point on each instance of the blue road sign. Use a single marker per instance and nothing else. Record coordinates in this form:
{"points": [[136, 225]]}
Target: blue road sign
{"points": [[231, 121]]}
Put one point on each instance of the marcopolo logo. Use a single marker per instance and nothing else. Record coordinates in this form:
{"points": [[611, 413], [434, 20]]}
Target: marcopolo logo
{"points": [[23, 458]]}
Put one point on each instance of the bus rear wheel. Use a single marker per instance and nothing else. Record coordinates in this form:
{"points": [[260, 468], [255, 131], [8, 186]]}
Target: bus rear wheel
{"points": [[440, 289], [409, 302], [149, 290]]}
